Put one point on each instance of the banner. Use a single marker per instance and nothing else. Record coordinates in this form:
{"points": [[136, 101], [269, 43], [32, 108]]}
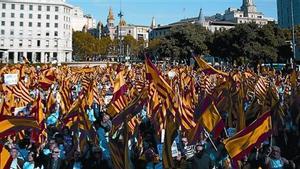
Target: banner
{"points": [[11, 79]]}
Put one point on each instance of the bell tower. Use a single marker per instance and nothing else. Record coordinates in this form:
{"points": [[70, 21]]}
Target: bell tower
{"points": [[248, 7]]}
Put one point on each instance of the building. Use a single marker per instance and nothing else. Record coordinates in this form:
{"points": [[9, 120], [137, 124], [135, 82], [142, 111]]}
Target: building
{"points": [[285, 13], [122, 29], [246, 14], [37, 29], [219, 22], [79, 20], [206, 22]]}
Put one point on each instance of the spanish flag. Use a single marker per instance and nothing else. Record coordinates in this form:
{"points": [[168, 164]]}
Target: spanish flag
{"points": [[244, 141], [208, 69]]}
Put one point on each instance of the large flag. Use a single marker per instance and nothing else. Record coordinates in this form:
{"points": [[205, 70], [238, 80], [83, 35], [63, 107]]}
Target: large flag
{"points": [[11, 125], [163, 88], [119, 101], [5, 158], [21, 91], [208, 69], [171, 132], [244, 141], [210, 120]]}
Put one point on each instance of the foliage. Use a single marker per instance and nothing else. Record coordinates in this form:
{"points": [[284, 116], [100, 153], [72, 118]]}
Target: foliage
{"points": [[249, 43], [181, 41]]}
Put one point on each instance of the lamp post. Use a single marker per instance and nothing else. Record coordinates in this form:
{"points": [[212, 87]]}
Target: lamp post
{"points": [[120, 15], [293, 31]]}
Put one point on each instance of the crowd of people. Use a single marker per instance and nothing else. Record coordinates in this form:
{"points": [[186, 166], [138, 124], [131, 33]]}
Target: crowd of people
{"points": [[75, 112]]}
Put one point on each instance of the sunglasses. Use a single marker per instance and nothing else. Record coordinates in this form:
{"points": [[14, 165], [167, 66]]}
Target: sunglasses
{"points": [[56, 152]]}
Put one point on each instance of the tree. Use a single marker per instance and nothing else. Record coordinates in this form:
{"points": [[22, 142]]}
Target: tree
{"points": [[249, 43], [84, 46], [182, 40]]}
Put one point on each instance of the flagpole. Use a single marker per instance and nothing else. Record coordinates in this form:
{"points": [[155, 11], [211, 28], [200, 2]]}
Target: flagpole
{"points": [[208, 136]]}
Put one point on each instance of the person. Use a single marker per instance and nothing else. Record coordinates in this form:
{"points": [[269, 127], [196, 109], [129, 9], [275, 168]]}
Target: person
{"points": [[188, 151], [16, 163], [201, 159], [275, 161], [95, 160], [53, 161], [76, 162], [31, 164]]}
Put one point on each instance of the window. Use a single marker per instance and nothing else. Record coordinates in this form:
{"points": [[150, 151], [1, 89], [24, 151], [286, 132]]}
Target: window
{"points": [[39, 24], [56, 9], [12, 15], [47, 33], [12, 23], [3, 14], [2, 42], [56, 25], [20, 43], [2, 32], [21, 7], [3, 6], [30, 16], [21, 23], [39, 34], [12, 32], [47, 25], [39, 16], [30, 24], [47, 16], [2, 23], [48, 8], [30, 33], [21, 15], [11, 43], [38, 43], [56, 17], [39, 8], [55, 33], [21, 33], [30, 7], [13, 6], [29, 43], [47, 43]]}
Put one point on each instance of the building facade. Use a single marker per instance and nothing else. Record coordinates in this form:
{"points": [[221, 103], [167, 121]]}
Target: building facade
{"points": [[219, 22], [79, 20], [284, 10], [39, 30]]}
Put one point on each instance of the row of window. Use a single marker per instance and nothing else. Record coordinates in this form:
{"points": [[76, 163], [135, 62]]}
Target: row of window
{"points": [[2, 32], [21, 24], [30, 16], [29, 43], [30, 7]]}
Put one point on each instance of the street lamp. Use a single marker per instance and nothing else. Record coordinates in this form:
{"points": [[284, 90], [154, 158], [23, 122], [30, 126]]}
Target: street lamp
{"points": [[293, 31], [120, 15]]}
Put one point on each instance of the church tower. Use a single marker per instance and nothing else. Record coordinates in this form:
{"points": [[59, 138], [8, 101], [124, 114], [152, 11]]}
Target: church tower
{"points": [[110, 18], [248, 7]]}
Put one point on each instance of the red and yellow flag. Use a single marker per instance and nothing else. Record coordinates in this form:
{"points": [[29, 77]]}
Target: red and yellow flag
{"points": [[244, 141]]}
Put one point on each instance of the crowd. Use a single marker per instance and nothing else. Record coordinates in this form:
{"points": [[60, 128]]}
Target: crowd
{"points": [[115, 117]]}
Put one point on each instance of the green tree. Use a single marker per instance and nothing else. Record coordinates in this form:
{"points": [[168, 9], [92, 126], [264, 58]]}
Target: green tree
{"points": [[182, 40], [84, 46], [249, 43]]}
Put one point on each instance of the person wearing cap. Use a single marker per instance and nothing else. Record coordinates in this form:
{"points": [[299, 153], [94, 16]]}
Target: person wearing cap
{"points": [[201, 159], [275, 161]]}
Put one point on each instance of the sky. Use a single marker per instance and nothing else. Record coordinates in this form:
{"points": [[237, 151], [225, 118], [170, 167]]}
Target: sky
{"points": [[165, 11]]}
